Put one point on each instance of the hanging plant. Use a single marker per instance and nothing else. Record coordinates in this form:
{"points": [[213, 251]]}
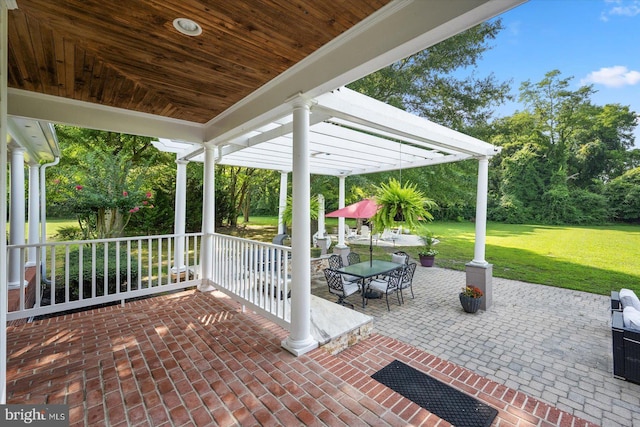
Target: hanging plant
{"points": [[400, 204]]}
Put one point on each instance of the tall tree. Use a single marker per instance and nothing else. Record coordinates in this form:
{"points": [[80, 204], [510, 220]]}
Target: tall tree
{"points": [[558, 153], [427, 83]]}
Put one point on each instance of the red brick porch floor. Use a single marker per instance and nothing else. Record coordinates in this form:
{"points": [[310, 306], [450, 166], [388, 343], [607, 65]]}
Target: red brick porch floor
{"points": [[194, 359]]}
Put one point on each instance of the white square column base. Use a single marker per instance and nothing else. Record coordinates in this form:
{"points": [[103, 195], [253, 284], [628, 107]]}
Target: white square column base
{"points": [[481, 276]]}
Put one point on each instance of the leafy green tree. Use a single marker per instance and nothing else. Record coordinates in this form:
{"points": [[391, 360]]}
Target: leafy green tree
{"points": [[426, 83], [104, 179], [623, 193], [557, 154], [104, 197]]}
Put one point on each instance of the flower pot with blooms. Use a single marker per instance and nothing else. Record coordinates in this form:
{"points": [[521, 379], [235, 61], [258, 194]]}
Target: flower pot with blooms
{"points": [[470, 298]]}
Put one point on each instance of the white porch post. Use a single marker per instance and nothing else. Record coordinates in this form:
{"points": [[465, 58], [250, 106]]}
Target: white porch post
{"points": [[17, 203], [341, 180], [479, 271], [4, 46], [208, 220], [300, 340], [34, 212], [282, 228], [180, 209]]}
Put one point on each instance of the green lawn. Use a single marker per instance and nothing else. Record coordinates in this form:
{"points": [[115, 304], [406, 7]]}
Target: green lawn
{"points": [[595, 259]]}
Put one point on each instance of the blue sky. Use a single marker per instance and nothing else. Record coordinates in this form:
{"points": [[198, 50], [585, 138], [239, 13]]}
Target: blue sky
{"points": [[595, 41]]}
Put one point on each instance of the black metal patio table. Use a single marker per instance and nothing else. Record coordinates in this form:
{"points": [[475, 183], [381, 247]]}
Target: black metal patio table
{"points": [[367, 269]]}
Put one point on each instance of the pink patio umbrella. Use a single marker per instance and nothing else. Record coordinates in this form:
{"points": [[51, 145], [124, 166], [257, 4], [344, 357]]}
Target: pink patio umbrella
{"points": [[364, 209]]}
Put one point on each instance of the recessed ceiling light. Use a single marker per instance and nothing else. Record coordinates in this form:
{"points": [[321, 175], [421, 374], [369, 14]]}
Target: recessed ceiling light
{"points": [[187, 26]]}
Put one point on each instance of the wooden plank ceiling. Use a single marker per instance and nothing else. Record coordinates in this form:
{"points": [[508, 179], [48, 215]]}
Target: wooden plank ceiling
{"points": [[128, 54]]}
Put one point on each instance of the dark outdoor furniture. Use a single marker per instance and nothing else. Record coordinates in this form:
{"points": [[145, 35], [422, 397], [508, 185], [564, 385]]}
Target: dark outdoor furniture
{"points": [[626, 345], [335, 262], [353, 258], [367, 269], [388, 285], [340, 287], [404, 254], [407, 279]]}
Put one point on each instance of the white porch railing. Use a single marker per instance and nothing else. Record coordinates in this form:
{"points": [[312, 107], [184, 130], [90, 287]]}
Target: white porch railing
{"points": [[255, 274], [86, 273]]}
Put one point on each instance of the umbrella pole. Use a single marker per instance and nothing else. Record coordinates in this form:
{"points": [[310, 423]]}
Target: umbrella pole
{"points": [[370, 248]]}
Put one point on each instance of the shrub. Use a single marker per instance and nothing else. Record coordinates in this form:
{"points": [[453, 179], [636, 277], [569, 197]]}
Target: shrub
{"points": [[74, 270], [68, 233]]}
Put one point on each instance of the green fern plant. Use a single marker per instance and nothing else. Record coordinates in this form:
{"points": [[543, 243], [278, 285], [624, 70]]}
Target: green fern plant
{"points": [[401, 204]]}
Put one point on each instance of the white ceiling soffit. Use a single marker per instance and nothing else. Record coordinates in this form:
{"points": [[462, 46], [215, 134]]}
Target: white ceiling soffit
{"points": [[37, 138], [349, 134]]}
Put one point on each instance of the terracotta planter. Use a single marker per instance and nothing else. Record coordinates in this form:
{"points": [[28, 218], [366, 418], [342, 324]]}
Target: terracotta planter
{"points": [[470, 304], [427, 260]]}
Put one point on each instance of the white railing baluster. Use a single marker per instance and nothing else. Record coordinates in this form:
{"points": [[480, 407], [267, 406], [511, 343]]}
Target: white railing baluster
{"points": [[128, 266], [139, 264], [53, 275], [21, 303], [67, 296], [117, 267], [39, 262], [160, 261], [106, 269], [94, 266], [81, 272], [149, 262]]}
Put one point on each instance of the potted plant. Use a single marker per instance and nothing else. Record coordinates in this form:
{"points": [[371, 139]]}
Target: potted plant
{"points": [[470, 298], [427, 253]]}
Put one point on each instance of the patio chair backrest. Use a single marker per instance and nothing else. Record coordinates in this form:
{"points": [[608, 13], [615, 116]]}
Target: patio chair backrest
{"points": [[335, 262], [400, 254], [407, 277], [334, 280], [353, 258]]}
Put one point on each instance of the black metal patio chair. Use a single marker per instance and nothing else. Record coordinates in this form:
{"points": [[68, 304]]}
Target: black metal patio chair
{"points": [[340, 287]]}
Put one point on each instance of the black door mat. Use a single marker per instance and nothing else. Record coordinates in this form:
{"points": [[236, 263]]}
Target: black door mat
{"points": [[440, 399]]}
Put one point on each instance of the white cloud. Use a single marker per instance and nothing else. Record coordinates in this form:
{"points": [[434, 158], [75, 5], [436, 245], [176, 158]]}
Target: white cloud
{"points": [[621, 8], [616, 76]]}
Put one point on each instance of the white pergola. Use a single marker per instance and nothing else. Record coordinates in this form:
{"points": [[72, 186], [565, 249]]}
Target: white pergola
{"points": [[349, 134], [344, 133]]}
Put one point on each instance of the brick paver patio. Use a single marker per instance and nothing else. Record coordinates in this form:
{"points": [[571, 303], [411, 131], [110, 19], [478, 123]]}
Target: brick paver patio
{"points": [[196, 359]]}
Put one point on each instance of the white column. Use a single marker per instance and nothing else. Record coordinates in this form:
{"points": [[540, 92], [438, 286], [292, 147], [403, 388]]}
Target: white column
{"points": [[300, 340], [320, 216], [34, 212], [4, 46], [341, 180], [282, 227], [208, 219], [17, 203], [479, 272], [481, 212], [180, 213]]}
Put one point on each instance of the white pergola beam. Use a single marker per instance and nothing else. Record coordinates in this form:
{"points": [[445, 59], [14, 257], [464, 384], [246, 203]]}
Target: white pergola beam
{"points": [[357, 108]]}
